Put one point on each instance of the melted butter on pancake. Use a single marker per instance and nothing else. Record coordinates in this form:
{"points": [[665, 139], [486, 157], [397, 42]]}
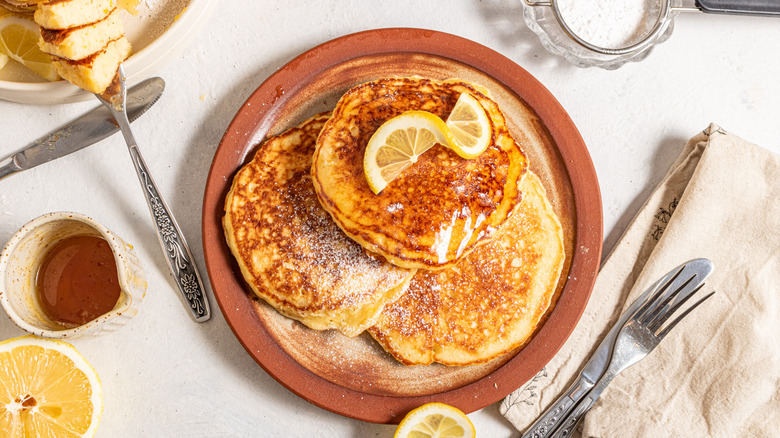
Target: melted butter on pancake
{"points": [[439, 209], [488, 304], [290, 251]]}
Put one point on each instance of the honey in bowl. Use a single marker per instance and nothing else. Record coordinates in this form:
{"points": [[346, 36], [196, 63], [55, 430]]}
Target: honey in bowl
{"points": [[78, 281], [23, 295]]}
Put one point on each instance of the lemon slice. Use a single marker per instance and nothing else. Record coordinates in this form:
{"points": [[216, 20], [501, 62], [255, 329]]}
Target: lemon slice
{"points": [[47, 389], [19, 40], [3, 60], [398, 143], [435, 420], [471, 127]]}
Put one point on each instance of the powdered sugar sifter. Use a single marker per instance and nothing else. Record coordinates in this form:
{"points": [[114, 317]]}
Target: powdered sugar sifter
{"points": [[565, 26]]}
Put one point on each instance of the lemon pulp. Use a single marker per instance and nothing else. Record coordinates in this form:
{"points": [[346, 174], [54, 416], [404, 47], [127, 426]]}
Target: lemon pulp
{"points": [[47, 389], [471, 127], [398, 143], [435, 420], [19, 41]]}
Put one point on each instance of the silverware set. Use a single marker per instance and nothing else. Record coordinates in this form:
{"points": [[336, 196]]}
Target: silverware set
{"points": [[636, 333]]}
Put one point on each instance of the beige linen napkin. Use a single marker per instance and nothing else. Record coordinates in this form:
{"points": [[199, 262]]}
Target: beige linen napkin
{"points": [[718, 373]]}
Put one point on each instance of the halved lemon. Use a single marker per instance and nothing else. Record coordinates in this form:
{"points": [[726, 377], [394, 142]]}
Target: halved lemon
{"points": [[398, 143], [19, 40], [471, 127], [3, 57], [47, 389], [435, 420]]}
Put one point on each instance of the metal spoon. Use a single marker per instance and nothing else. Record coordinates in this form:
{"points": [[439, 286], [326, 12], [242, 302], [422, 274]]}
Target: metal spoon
{"points": [[171, 239]]}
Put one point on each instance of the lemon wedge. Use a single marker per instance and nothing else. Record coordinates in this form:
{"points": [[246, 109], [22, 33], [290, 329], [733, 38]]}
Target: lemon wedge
{"points": [[19, 40], [400, 141], [471, 127], [47, 389], [435, 420]]}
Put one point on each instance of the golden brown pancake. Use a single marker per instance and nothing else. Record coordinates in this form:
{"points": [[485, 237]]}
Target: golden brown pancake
{"points": [[64, 14], [95, 72], [488, 304], [18, 7], [437, 210], [25, 3], [86, 40], [81, 41], [290, 251]]}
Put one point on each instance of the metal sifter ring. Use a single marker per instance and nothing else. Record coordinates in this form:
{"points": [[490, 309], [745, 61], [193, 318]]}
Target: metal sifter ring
{"points": [[661, 23]]}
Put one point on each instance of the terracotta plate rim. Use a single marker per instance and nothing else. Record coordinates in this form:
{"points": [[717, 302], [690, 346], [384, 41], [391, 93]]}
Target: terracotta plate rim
{"points": [[262, 104]]}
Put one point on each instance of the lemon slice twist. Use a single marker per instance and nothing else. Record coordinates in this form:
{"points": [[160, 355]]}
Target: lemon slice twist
{"points": [[435, 420], [400, 141], [19, 41], [47, 389]]}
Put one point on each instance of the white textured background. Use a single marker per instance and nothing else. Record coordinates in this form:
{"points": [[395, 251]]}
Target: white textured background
{"points": [[164, 375]]}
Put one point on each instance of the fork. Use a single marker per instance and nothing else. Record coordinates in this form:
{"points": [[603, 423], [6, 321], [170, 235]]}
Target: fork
{"points": [[638, 337], [178, 255]]}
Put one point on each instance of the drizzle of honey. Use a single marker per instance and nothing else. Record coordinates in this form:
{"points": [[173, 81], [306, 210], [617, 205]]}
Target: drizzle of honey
{"points": [[78, 281]]}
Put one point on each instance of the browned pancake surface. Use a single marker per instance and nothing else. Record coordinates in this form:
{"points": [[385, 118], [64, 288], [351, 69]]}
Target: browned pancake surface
{"points": [[291, 252], [489, 303], [438, 209]]}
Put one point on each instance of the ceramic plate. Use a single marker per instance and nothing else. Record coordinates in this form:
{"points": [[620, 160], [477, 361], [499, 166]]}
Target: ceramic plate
{"points": [[159, 30], [354, 376]]}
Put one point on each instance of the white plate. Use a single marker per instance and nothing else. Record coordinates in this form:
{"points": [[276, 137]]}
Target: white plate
{"points": [[157, 33]]}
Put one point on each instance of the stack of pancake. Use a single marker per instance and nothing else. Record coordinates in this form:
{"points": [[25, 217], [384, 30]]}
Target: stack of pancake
{"points": [[85, 38], [456, 261]]}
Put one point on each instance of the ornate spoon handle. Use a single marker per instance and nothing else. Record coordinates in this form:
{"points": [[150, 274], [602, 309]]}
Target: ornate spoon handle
{"points": [[178, 255], [171, 239]]}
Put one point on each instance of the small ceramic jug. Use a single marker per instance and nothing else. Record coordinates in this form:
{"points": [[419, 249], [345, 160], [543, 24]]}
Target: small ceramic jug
{"points": [[22, 257]]}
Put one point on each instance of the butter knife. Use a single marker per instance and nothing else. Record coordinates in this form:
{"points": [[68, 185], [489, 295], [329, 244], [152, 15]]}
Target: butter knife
{"points": [[554, 416], [88, 129]]}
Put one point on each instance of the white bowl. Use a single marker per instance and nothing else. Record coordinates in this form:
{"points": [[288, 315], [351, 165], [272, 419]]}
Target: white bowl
{"points": [[23, 255], [153, 46]]}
